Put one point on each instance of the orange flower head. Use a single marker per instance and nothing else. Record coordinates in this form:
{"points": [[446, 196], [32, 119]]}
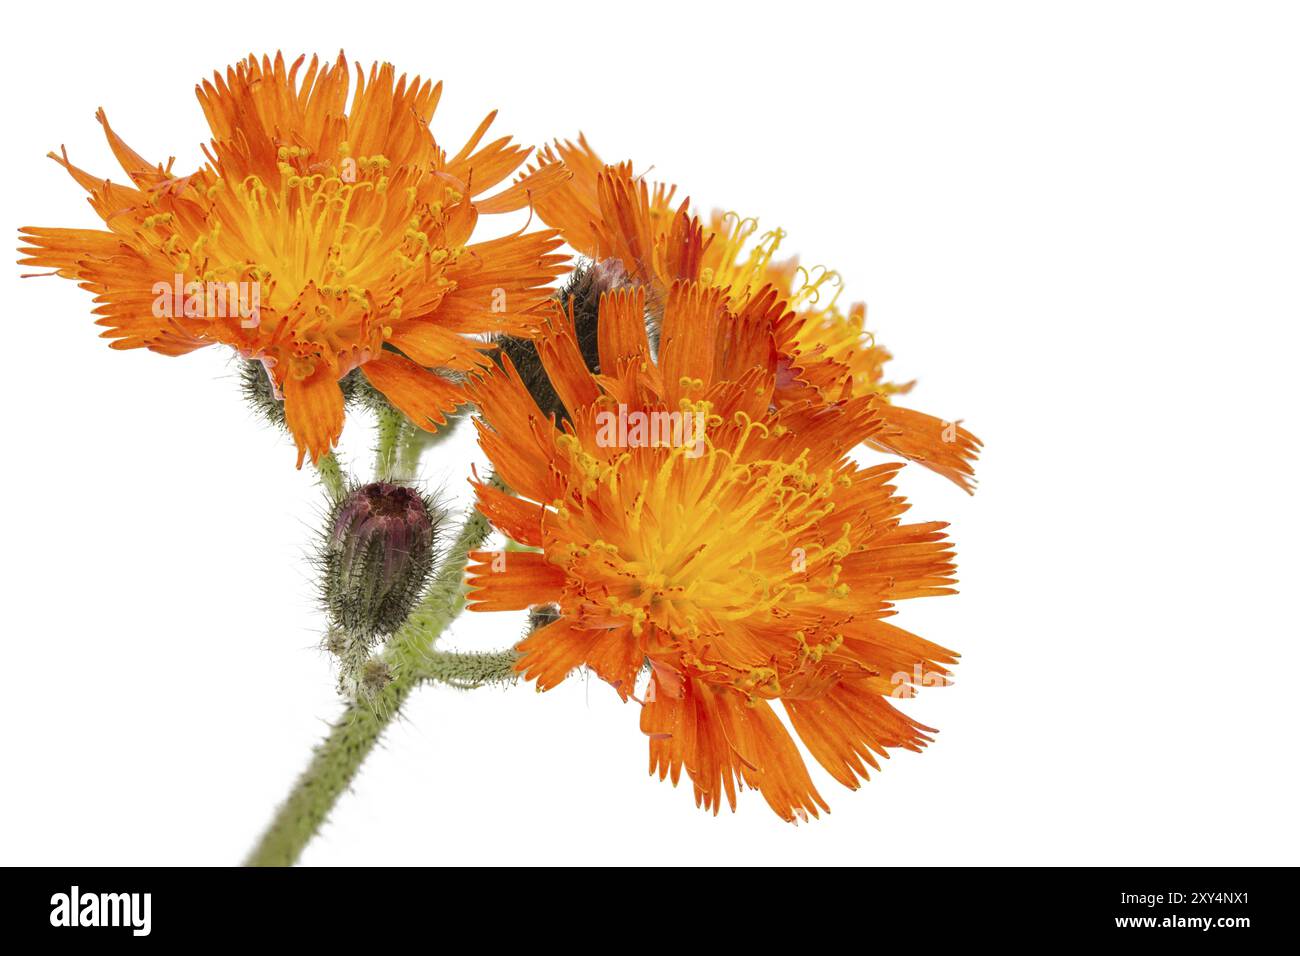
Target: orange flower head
{"points": [[321, 236], [684, 521], [825, 352]]}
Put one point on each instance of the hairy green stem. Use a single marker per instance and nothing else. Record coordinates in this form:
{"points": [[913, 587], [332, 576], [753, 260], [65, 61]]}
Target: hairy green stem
{"points": [[408, 452], [390, 423], [413, 660], [333, 765], [331, 474], [468, 671]]}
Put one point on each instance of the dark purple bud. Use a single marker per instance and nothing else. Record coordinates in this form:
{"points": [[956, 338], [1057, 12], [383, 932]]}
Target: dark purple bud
{"points": [[377, 557]]}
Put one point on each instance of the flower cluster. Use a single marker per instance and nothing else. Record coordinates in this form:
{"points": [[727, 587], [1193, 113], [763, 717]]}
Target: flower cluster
{"points": [[675, 431]]}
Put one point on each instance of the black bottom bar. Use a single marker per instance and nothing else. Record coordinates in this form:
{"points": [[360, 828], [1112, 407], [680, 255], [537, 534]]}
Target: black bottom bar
{"points": [[1226, 906]]}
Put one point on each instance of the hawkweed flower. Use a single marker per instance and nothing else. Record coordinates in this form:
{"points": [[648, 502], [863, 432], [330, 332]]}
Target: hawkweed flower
{"points": [[826, 353], [323, 235], [681, 520]]}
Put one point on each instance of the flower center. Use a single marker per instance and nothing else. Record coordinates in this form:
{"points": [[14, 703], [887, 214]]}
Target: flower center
{"points": [[341, 249], [703, 540]]}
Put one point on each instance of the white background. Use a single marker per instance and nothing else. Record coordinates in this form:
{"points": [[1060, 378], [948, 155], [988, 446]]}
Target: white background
{"points": [[1078, 225]]}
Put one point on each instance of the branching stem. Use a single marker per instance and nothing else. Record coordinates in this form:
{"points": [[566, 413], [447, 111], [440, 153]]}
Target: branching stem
{"points": [[411, 654]]}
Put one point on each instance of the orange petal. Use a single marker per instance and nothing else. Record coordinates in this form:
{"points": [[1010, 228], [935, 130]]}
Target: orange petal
{"points": [[434, 346], [518, 518], [768, 760], [845, 728], [423, 397], [551, 653], [690, 333], [943, 447], [527, 190], [511, 580], [313, 410], [565, 366], [621, 331], [518, 441]]}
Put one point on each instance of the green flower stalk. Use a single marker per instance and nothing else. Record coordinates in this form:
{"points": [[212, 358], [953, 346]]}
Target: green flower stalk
{"points": [[409, 660]]}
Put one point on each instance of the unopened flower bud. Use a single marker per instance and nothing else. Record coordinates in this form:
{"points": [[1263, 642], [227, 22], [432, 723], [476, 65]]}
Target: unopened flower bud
{"points": [[582, 293], [377, 555]]}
